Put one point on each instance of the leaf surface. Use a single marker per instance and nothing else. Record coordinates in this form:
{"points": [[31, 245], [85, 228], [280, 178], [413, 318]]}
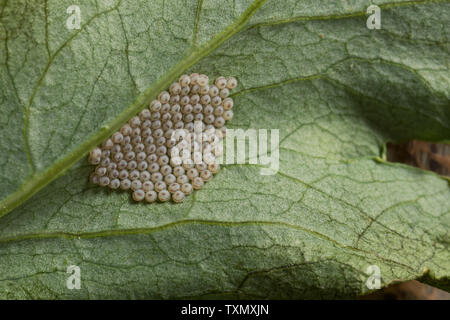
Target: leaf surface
{"points": [[336, 91]]}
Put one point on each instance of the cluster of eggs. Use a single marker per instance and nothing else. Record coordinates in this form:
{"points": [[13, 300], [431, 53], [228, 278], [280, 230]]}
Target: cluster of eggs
{"points": [[148, 154]]}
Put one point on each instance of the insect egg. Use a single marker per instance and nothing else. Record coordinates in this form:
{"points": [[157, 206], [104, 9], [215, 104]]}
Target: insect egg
{"points": [[158, 133], [108, 144], [155, 106], [187, 108], [164, 97], [165, 170], [164, 195], [166, 117], [155, 116], [168, 133], [100, 171], [127, 148], [142, 165], [209, 119], [195, 89], [197, 183], [165, 108], [163, 160], [96, 153], [219, 122], [154, 167], [136, 185], [105, 162], [175, 88], [174, 98], [113, 174], [123, 174], [201, 166], [221, 82], [151, 196], [152, 158], [167, 125], [132, 165], [138, 195], [184, 100], [144, 176], [122, 164], [147, 132], [188, 118], [126, 140], [156, 124], [208, 158], [171, 143], [114, 184], [159, 186], [144, 115], [197, 108], [173, 187], [125, 184], [93, 178], [157, 176], [130, 156], [213, 167], [218, 111], [228, 115], [178, 196], [192, 173], [206, 175], [161, 150], [213, 91], [202, 80], [105, 154], [216, 101], [117, 137], [208, 109], [182, 179], [227, 103], [147, 186], [186, 188], [170, 178], [112, 166], [231, 83], [194, 78], [150, 149], [139, 147], [224, 93], [135, 122], [204, 90], [185, 91], [136, 140], [185, 80], [195, 98], [103, 181], [134, 174], [189, 126]]}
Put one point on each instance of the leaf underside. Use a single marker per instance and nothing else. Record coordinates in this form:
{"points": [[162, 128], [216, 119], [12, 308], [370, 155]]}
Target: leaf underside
{"points": [[337, 92]]}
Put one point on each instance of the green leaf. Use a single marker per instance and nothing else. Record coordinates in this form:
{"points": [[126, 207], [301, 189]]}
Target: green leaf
{"points": [[337, 92]]}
